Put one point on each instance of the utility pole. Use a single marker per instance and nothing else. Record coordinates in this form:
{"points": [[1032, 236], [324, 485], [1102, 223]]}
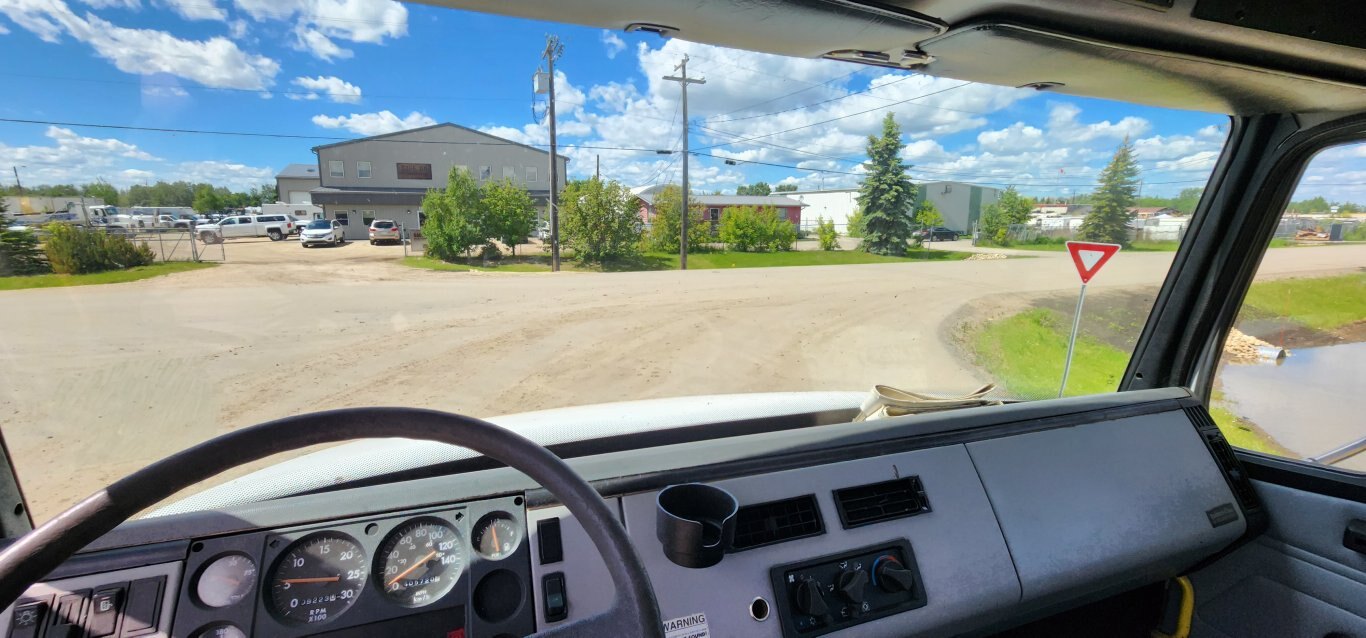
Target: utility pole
{"points": [[683, 81], [597, 167], [16, 180], [553, 50]]}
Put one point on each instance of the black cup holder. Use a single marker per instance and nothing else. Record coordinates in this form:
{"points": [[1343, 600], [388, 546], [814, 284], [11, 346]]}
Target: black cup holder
{"points": [[695, 523]]}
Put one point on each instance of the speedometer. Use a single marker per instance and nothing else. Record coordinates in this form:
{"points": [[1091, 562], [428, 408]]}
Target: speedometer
{"points": [[317, 579], [419, 562]]}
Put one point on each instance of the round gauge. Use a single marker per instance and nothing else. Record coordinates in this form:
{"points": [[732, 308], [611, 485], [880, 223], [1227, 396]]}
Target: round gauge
{"points": [[317, 579], [496, 536], [221, 630], [419, 562], [226, 580]]}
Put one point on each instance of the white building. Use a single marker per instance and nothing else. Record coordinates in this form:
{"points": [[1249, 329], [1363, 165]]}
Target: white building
{"points": [[961, 204]]}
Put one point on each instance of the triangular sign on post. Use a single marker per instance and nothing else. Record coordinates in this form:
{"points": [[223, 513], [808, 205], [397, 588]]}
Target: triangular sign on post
{"points": [[1089, 257]]}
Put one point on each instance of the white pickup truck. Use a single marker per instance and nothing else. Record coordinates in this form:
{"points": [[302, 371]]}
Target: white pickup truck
{"points": [[276, 227]]}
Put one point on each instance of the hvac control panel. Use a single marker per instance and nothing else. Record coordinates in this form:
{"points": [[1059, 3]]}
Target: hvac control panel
{"points": [[826, 594]]}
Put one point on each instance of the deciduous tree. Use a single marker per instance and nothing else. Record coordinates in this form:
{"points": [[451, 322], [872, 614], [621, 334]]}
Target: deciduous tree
{"points": [[599, 221]]}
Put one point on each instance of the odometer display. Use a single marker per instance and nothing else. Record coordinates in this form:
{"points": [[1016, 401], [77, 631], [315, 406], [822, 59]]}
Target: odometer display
{"points": [[419, 562], [317, 579]]}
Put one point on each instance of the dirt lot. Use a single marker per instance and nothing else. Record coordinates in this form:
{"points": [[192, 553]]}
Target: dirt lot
{"points": [[98, 381]]}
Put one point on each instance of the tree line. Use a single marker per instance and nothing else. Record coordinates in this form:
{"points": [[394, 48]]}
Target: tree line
{"points": [[203, 197]]}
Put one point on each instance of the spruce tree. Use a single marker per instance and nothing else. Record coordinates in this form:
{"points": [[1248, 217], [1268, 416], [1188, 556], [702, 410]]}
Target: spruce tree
{"points": [[887, 196], [1109, 217]]}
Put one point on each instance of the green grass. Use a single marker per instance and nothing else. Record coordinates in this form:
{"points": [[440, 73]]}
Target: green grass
{"points": [[1323, 303], [1025, 352], [107, 277], [696, 261], [510, 264]]}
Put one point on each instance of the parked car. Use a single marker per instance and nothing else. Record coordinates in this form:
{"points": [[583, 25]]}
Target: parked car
{"points": [[173, 221], [938, 233], [323, 231], [384, 230], [276, 227]]}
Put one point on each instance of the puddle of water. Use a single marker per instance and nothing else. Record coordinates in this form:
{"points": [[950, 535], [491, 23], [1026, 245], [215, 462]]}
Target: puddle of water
{"points": [[1311, 402]]}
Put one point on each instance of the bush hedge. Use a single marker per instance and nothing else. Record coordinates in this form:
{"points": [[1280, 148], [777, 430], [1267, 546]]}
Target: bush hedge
{"points": [[74, 250]]}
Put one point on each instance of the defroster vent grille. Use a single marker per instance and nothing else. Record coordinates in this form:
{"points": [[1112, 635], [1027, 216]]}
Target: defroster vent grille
{"points": [[776, 521], [883, 501]]}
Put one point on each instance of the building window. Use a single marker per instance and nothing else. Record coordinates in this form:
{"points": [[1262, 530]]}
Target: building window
{"points": [[485, 173], [715, 214], [343, 218], [336, 168], [462, 168], [530, 174], [367, 217], [408, 170], [510, 173], [363, 169]]}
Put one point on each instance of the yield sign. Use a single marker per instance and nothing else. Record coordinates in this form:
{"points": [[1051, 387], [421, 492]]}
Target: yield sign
{"points": [[1089, 257]]}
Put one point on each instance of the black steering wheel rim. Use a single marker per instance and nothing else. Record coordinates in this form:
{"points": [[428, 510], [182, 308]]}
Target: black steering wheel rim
{"points": [[634, 613]]}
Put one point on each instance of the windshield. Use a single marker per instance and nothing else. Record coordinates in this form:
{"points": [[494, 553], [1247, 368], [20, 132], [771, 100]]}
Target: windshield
{"points": [[807, 183]]}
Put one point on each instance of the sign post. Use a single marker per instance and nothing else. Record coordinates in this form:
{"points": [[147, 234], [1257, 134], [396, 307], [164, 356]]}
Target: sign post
{"points": [[1088, 257]]}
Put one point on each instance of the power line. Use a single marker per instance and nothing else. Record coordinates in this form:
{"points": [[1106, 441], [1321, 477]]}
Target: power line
{"points": [[262, 91], [842, 117], [798, 91], [329, 138], [814, 104]]}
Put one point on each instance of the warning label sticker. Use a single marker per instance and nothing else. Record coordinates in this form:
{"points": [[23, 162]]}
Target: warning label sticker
{"points": [[694, 626]]}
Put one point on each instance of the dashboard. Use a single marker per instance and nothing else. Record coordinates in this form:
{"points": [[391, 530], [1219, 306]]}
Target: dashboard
{"points": [[942, 524]]}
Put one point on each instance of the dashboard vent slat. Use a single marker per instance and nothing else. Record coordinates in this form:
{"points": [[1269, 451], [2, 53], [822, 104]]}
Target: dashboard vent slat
{"points": [[773, 522], [876, 502], [1223, 455]]}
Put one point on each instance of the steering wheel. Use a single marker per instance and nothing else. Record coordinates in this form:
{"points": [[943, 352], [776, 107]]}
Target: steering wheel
{"points": [[633, 613]]}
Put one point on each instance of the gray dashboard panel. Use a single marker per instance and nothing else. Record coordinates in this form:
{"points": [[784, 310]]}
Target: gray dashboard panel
{"points": [[963, 560], [588, 586], [1095, 505]]}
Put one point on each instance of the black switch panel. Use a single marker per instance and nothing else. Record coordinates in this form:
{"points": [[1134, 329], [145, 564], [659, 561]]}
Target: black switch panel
{"points": [[548, 538], [821, 595], [555, 596], [28, 618]]}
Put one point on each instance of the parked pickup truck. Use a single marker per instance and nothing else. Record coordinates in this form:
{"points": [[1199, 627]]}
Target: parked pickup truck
{"points": [[174, 221], [276, 227]]}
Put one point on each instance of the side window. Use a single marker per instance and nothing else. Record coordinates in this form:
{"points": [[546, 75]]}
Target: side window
{"points": [[1290, 375], [510, 173], [228, 221], [367, 217], [343, 218], [530, 174], [335, 168], [484, 173], [363, 169]]}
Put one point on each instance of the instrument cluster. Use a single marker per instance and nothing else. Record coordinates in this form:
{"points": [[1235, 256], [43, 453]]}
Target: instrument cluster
{"points": [[367, 575]]}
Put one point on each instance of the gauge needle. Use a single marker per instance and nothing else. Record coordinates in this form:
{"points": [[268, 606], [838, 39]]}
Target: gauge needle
{"points": [[494, 530], [420, 562], [320, 579]]}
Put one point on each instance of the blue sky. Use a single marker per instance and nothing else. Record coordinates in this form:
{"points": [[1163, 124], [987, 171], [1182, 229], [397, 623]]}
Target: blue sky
{"points": [[347, 68]]}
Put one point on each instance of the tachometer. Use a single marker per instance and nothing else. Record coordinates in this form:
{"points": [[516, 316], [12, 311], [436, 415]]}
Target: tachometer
{"points": [[496, 536], [419, 562], [317, 579]]}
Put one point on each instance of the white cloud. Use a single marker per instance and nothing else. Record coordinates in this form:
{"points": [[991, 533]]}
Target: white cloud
{"points": [[612, 43], [331, 87], [237, 29], [1064, 127], [236, 176], [367, 124], [317, 23], [71, 157], [1012, 139], [321, 46], [197, 9], [216, 62], [113, 4], [152, 90]]}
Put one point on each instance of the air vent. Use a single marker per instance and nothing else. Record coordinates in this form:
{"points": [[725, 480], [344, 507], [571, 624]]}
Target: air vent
{"points": [[1223, 455], [776, 521], [884, 501]]}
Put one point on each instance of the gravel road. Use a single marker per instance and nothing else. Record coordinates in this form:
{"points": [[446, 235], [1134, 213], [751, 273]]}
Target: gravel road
{"points": [[98, 381]]}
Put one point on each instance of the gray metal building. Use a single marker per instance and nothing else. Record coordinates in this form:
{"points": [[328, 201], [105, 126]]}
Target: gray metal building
{"points": [[961, 204], [386, 176], [294, 184]]}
